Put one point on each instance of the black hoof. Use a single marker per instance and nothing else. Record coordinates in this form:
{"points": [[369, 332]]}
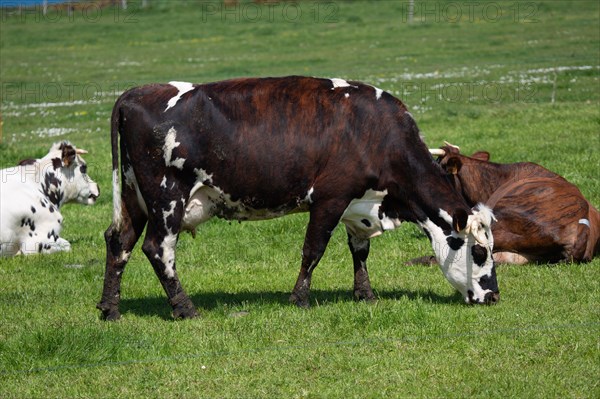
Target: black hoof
{"points": [[366, 296], [185, 312], [301, 302], [109, 313]]}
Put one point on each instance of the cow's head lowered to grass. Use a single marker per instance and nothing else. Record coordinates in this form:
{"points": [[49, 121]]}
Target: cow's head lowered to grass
{"points": [[464, 253]]}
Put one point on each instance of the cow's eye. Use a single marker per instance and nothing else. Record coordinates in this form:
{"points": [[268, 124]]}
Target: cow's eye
{"points": [[83, 168]]}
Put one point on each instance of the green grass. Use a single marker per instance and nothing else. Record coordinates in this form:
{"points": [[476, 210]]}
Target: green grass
{"points": [[522, 86]]}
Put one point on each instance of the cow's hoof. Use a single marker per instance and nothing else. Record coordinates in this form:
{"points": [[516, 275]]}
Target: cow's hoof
{"points": [[366, 296], [301, 302], [109, 313], [185, 312]]}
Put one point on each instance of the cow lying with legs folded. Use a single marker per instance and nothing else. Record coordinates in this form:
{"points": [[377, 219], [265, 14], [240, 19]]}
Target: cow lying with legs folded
{"points": [[541, 216], [31, 195]]}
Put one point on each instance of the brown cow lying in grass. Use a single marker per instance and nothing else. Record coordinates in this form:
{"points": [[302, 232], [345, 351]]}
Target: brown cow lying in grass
{"points": [[541, 217]]}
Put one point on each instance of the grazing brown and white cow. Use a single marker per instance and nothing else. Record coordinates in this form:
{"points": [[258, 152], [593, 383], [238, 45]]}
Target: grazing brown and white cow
{"points": [[31, 195], [252, 149], [541, 216]]}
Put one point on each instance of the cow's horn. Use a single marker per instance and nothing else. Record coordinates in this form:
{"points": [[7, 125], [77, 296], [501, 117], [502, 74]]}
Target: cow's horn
{"points": [[80, 151], [452, 145], [437, 151]]}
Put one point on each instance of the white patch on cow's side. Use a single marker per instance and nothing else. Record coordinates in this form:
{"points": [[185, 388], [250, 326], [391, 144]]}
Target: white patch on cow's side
{"points": [[361, 217], [163, 182], [182, 87], [117, 206], [378, 92], [131, 182], [584, 221], [169, 212], [168, 147], [347, 95], [337, 82], [168, 254], [308, 199]]}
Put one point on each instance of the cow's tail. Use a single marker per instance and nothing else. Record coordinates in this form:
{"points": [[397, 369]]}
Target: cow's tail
{"points": [[115, 125], [593, 248], [587, 240]]}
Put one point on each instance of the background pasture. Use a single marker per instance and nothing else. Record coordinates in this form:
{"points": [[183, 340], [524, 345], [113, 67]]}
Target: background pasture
{"points": [[518, 78]]}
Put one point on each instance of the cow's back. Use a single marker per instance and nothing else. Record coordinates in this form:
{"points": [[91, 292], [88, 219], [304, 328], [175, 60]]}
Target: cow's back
{"points": [[539, 218], [275, 135]]}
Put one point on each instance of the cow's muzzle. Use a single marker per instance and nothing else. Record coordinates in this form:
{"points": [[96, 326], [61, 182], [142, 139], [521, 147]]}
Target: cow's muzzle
{"points": [[94, 195], [490, 298]]}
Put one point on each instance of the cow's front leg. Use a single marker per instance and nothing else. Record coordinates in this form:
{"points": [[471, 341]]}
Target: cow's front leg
{"points": [[320, 228], [159, 246], [360, 252]]}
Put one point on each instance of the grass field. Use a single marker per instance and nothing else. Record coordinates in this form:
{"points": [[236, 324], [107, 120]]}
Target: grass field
{"points": [[519, 79]]}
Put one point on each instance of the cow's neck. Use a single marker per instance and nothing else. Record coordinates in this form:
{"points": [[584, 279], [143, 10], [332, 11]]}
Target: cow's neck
{"points": [[483, 179], [52, 184], [431, 193]]}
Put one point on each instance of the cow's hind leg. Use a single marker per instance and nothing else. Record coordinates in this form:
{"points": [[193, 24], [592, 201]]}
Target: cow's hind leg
{"points": [[320, 227], [120, 238], [159, 246], [360, 252]]}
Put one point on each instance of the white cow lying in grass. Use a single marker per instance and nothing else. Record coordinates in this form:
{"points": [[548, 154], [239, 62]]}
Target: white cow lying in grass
{"points": [[31, 195]]}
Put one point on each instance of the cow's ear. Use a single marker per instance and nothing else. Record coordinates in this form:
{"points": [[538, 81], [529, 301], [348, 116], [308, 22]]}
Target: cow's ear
{"points": [[460, 217], [68, 154], [481, 155], [453, 165]]}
